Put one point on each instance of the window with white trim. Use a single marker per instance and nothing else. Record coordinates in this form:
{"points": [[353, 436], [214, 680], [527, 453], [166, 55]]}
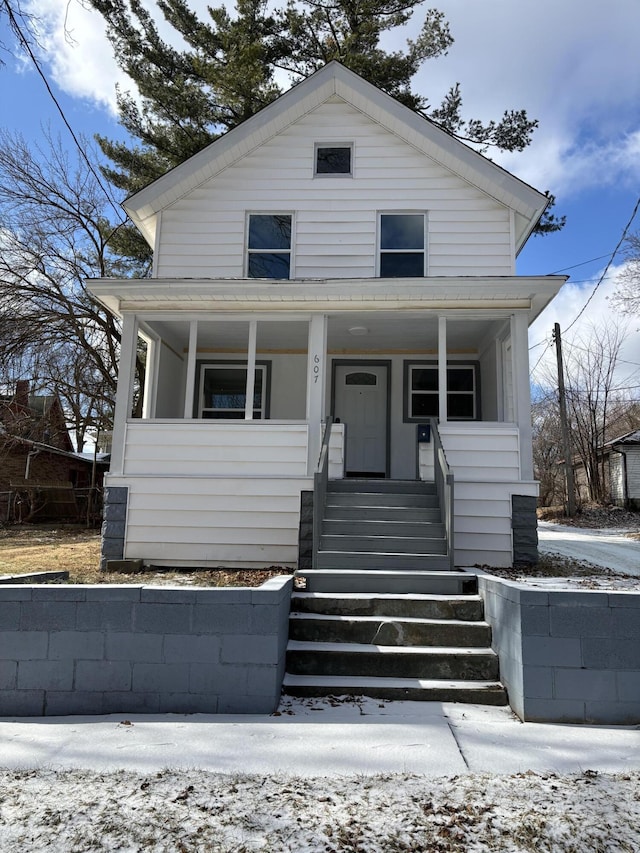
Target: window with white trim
{"points": [[402, 245], [223, 391], [421, 399], [334, 159], [269, 245]]}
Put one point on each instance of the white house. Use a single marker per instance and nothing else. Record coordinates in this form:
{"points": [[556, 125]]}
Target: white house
{"points": [[336, 254]]}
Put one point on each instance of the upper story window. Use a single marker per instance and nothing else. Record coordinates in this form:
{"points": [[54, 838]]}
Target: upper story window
{"points": [[269, 245], [402, 245], [334, 159]]}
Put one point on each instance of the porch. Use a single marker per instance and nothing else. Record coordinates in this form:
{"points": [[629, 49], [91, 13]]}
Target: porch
{"points": [[232, 416]]}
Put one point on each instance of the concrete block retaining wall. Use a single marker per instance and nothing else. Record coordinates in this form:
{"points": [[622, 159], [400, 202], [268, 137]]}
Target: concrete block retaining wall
{"points": [[142, 649], [566, 655]]}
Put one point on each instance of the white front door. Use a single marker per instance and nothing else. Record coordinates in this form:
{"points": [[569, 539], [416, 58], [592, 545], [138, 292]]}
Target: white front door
{"points": [[361, 404]]}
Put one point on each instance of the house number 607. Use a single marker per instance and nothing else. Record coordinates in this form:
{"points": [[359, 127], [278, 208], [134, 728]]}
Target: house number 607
{"points": [[316, 368]]}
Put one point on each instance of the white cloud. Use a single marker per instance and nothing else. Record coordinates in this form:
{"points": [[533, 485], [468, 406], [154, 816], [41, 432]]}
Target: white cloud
{"points": [[76, 52], [566, 165], [566, 307], [571, 64]]}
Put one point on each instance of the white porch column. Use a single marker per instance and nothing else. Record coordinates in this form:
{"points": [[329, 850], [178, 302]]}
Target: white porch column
{"points": [[151, 376], [522, 391], [251, 370], [191, 370], [124, 391], [442, 369], [316, 385]]}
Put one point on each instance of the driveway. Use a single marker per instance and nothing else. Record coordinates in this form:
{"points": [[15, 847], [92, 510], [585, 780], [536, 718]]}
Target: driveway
{"points": [[604, 548]]}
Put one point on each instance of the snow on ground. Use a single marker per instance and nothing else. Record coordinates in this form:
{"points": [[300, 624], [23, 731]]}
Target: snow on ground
{"points": [[604, 548], [201, 811], [479, 780]]}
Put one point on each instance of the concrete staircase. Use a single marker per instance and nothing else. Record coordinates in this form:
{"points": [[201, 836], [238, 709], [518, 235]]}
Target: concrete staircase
{"points": [[375, 524], [393, 635]]}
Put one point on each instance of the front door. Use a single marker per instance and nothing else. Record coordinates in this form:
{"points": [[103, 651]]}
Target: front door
{"points": [[360, 402]]}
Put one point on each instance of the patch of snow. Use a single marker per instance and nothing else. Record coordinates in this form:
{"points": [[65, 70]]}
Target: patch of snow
{"points": [[600, 548], [311, 779], [197, 811]]}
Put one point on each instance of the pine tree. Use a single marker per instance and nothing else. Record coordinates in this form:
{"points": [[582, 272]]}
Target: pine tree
{"points": [[228, 71]]}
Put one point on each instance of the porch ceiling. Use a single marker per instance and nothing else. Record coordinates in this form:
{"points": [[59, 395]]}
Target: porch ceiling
{"points": [[363, 332]]}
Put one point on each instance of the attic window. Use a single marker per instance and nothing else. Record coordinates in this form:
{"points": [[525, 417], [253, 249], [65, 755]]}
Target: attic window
{"points": [[333, 159]]}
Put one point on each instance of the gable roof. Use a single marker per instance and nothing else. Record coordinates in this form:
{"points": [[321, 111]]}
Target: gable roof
{"points": [[335, 80], [632, 437]]}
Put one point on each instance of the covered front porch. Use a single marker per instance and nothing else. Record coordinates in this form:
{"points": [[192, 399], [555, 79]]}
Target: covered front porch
{"points": [[233, 410], [377, 373]]}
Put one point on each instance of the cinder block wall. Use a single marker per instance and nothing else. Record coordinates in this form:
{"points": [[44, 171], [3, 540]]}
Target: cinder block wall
{"points": [[566, 656], [142, 649]]}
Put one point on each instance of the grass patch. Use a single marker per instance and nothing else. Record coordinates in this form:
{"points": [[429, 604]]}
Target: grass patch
{"points": [[41, 547]]}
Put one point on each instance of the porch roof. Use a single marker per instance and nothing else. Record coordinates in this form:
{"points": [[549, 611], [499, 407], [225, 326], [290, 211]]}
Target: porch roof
{"points": [[530, 293]]}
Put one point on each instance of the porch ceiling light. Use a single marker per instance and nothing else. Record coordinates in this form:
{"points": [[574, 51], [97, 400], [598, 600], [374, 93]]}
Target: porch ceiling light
{"points": [[358, 330]]}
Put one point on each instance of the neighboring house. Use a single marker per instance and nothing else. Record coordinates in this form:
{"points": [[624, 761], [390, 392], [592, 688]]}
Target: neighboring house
{"points": [[624, 470], [337, 254], [620, 460], [39, 469]]}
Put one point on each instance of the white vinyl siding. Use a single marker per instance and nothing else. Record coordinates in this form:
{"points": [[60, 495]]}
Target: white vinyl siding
{"points": [[213, 521], [485, 461], [482, 451], [213, 493], [336, 220], [482, 521], [215, 448]]}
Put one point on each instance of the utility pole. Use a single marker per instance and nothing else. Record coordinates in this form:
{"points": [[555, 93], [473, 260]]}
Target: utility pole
{"points": [[564, 425]]}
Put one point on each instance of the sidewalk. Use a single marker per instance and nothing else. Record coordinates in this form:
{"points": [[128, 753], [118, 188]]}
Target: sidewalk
{"points": [[318, 738]]}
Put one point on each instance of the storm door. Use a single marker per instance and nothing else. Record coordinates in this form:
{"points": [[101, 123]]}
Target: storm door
{"points": [[361, 403]]}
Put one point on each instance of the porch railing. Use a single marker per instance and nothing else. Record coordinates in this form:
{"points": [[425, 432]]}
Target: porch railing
{"points": [[444, 486], [320, 479]]}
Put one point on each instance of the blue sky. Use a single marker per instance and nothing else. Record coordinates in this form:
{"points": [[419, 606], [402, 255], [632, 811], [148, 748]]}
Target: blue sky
{"points": [[573, 64]]}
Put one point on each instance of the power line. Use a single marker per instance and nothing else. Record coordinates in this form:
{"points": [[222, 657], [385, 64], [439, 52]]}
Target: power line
{"points": [[24, 41], [606, 269], [585, 349], [539, 344], [581, 264], [544, 352]]}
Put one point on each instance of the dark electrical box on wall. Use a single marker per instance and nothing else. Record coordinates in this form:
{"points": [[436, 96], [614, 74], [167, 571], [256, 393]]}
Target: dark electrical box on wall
{"points": [[424, 433]]}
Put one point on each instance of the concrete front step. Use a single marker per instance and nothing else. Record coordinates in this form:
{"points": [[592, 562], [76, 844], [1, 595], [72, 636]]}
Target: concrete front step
{"points": [[383, 528], [359, 484], [423, 582], [388, 631], [349, 659], [414, 689], [468, 608], [382, 560]]}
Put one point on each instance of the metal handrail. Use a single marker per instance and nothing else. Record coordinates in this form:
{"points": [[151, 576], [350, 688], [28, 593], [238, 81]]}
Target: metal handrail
{"points": [[320, 479], [443, 477]]}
